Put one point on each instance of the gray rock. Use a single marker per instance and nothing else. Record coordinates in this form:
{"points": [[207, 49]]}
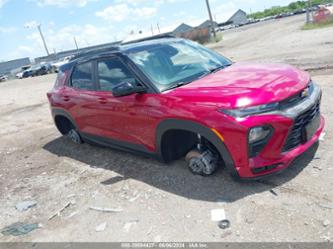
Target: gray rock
{"points": [[326, 223]]}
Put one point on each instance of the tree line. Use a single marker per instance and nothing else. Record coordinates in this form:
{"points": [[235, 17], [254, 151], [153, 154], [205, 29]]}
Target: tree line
{"points": [[292, 7]]}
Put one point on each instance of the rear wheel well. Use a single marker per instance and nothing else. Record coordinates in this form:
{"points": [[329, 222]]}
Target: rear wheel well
{"points": [[177, 143], [63, 124]]}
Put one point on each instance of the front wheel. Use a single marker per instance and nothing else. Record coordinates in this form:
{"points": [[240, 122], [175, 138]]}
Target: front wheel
{"points": [[74, 136], [202, 163]]}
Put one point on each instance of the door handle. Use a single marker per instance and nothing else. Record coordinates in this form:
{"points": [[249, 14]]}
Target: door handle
{"points": [[102, 100], [66, 98]]}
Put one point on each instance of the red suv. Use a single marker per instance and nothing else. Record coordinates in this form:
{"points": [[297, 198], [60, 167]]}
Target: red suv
{"points": [[171, 98]]}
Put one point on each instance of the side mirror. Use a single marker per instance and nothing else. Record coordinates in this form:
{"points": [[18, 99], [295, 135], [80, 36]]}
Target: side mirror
{"points": [[125, 89]]}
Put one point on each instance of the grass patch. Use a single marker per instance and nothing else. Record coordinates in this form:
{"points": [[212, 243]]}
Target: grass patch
{"points": [[219, 37], [326, 24]]}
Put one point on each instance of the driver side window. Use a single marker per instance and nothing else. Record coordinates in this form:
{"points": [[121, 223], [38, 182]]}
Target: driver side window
{"points": [[111, 72]]}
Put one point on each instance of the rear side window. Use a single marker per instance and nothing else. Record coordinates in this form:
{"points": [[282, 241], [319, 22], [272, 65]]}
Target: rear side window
{"points": [[111, 72], [82, 77]]}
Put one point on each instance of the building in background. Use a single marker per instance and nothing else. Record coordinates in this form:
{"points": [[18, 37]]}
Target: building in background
{"points": [[239, 18], [183, 28], [8, 66], [207, 24]]}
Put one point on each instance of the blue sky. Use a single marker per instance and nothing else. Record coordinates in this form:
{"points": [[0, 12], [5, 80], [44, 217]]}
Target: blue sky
{"points": [[100, 21]]}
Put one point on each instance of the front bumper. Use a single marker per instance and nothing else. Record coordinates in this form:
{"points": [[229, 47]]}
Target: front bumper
{"points": [[273, 157]]}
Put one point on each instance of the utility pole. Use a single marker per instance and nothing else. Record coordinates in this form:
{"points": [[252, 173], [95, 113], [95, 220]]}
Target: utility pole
{"points": [[152, 29], [211, 18], [43, 39], [158, 27], [308, 11], [77, 47]]}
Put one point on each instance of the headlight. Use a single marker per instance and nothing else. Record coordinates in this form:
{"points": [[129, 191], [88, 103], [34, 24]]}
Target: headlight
{"points": [[258, 138], [258, 133], [247, 111]]}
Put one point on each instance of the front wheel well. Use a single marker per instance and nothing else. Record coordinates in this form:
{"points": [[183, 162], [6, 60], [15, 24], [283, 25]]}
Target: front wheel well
{"points": [[63, 124], [177, 143]]}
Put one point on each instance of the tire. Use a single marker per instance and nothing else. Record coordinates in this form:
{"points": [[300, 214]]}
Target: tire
{"points": [[74, 136]]}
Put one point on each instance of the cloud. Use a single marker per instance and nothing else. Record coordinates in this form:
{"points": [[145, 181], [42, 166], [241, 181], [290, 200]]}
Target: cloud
{"points": [[31, 24], [62, 3], [7, 30], [121, 12], [116, 13], [2, 3], [63, 39]]}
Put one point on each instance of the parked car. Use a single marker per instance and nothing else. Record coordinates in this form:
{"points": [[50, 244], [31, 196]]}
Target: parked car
{"points": [[26, 73], [39, 69], [61, 62], [172, 98], [19, 75], [3, 77]]}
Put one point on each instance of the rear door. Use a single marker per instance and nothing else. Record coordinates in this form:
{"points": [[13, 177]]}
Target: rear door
{"points": [[81, 96]]}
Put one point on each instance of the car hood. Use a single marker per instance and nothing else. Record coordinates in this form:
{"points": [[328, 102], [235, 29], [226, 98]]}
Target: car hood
{"points": [[245, 84]]}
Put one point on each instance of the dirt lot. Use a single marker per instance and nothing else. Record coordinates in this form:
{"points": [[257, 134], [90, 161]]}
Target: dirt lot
{"points": [[160, 202]]}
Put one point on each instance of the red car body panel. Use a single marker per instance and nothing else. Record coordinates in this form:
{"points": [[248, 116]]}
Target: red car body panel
{"points": [[135, 118], [246, 84]]}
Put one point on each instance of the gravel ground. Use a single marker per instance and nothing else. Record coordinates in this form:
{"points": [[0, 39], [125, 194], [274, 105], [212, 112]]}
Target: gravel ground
{"points": [[158, 202]]}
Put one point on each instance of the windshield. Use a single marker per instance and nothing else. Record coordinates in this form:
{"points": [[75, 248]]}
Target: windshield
{"points": [[176, 63]]}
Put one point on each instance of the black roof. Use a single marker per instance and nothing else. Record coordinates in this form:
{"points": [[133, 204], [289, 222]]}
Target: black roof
{"points": [[123, 47], [94, 52]]}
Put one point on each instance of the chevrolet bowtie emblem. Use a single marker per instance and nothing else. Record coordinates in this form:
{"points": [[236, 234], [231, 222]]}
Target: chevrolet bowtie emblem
{"points": [[305, 93]]}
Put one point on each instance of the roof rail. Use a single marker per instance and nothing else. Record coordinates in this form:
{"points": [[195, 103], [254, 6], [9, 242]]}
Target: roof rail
{"points": [[154, 37], [94, 52]]}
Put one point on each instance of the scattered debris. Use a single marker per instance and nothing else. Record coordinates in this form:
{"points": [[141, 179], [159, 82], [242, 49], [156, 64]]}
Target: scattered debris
{"points": [[129, 224], [224, 224], [71, 196], [134, 198], [326, 223], [83, 171], [150, 230], [327, 206], [322, 136], [326, 238], [25, 205], [107, 210], [19, 228], [58, 213], [318, 167], [249, 220], [71, 215], [272, 191], [217, 214], [100, 227]]}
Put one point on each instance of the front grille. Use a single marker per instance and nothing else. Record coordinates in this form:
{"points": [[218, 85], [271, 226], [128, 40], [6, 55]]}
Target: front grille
{"points": [[297, 134], [297, 98]]}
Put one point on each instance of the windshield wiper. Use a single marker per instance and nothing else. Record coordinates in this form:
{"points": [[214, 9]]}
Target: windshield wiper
{"points": [[218, 68], [204, 74], [176, 85]]}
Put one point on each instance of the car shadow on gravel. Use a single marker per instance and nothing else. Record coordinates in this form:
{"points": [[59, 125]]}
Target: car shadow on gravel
{"points": [[174, 178]]}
